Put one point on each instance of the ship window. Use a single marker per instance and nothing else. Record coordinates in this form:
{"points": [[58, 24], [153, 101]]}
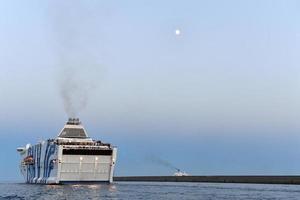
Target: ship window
{"points": [[72, 133], [87, 152]]}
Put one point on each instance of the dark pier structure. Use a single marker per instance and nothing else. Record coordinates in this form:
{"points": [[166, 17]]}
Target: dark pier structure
{"points": [[215, 179]]}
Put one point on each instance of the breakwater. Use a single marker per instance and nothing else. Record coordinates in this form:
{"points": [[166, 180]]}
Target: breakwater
{"points": [[215, 179]]}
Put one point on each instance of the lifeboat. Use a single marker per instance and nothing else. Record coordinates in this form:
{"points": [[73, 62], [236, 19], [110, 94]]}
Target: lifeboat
{"points": [[28, 160]]}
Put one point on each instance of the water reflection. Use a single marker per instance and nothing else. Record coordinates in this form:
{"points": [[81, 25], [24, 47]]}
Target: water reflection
{"points": [[94, 187], [77, 191], [112, 188], [174, 191]]}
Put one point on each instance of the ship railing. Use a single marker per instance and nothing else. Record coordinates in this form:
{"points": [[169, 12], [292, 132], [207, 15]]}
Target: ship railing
{"points": [[87, 147], [93, 143]]}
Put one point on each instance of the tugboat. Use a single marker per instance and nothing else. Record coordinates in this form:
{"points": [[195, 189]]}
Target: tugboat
{"points": [[71, 157]]}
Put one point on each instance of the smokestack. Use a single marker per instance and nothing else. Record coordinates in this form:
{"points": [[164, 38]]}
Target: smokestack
{"points": [[73, 121]]}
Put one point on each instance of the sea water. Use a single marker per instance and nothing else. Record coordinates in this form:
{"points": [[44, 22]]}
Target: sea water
{"points": [[149, 190]]}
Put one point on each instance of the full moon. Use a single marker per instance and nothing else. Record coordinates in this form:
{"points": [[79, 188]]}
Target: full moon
{"points": [[177, 32]]}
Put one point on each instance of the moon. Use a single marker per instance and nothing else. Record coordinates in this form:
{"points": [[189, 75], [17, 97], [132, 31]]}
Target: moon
{"points": [[177, 32]]}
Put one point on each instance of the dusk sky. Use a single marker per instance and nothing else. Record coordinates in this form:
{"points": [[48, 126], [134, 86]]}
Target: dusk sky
{"points": [[221, 97]]}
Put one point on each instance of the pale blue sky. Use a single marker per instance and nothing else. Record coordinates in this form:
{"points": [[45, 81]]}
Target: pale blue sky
{"points": [[221, 98]]}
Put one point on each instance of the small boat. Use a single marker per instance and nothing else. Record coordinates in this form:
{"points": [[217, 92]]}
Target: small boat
{"points": [[180, 173]]}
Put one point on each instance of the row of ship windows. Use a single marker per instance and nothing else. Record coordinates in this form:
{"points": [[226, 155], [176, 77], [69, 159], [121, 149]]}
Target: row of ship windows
{"points": [[87, 152]]}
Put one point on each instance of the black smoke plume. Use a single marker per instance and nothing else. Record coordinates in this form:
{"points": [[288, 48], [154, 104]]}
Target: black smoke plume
{"points": [[162, 162], [76, 43]]}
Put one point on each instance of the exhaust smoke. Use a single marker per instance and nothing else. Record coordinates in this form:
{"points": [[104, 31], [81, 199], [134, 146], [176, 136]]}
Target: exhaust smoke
{"points": [[74, 90], [77, 46], [162, 162]]}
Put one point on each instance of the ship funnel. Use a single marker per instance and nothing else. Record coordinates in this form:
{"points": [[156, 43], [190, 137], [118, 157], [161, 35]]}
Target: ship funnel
{"points": [[73, 129], [73, 121]]}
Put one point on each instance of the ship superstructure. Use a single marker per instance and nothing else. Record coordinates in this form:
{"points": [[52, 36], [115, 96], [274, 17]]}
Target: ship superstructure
{"points": [[71, 157]]}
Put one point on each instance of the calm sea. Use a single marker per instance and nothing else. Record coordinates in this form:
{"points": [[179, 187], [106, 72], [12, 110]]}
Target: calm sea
{"points": [[149, 190]]}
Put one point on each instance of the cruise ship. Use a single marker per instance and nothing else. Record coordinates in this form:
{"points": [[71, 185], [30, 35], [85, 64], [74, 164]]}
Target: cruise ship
{"points": [[72, 157]]}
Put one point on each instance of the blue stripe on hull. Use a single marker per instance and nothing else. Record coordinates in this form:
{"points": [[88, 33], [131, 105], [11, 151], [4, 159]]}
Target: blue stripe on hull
{"points": [[34, 173]]}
